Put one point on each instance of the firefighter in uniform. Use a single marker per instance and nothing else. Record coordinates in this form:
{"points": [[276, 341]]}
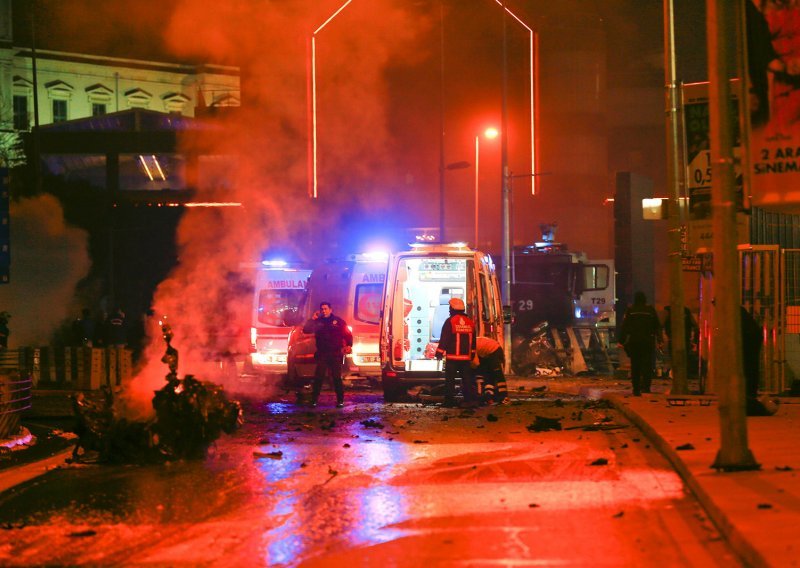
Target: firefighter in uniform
{"points": [[457, 347], [334, 340], [489, 365]]}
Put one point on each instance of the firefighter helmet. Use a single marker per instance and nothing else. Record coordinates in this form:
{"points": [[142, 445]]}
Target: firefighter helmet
{"points": [[457, 304]]}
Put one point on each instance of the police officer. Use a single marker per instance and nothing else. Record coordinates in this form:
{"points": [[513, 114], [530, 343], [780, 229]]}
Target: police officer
{"points": [[639, 334], [334, 340], [457, 346]]}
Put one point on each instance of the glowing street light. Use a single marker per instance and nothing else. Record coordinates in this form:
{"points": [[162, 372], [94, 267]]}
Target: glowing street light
{"points": [[489, 133], [312, 103], [532, 71]]}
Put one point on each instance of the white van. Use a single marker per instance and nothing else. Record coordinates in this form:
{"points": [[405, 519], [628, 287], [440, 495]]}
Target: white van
{"points": [[419, 285], [279, 293], [354, 287]]}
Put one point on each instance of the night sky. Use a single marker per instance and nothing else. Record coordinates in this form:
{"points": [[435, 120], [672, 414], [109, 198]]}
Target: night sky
{"points": [[380, 90], [380, 106]]}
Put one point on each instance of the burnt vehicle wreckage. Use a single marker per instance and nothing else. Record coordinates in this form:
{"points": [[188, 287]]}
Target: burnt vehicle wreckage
{"points": [[190, 415]]}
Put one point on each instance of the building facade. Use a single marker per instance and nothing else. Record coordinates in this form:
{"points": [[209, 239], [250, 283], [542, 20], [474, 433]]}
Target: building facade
{"points": [[69, 86]]}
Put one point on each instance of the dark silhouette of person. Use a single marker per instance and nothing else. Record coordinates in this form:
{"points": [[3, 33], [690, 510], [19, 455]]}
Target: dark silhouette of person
{"points": [[84, 329], [639, 334], [4, 330], [116, 330], [690, 333], [752, 340], [334, 340]]}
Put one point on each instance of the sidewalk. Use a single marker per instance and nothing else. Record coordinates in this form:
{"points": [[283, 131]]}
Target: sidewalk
{"points": [[757, 511]]}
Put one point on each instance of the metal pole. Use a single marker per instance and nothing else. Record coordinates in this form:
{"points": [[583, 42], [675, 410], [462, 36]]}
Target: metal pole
{"points": [[726, 353], [680, 382], [506, 193], [442, 193], [310, 108], [37, 165], [477, 168], [311, 92]]}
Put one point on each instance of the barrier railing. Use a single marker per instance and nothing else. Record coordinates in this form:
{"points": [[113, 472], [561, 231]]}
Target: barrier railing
{"points": [[15, 391], [78, 368]]}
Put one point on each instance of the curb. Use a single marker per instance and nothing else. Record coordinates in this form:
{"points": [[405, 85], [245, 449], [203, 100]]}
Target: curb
{"points": [[740, 545], [17, 475]]}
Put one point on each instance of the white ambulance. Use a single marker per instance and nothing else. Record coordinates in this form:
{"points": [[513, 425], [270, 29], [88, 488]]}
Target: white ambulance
{"points": [[354, 287], [419, 285], [280, 290]]}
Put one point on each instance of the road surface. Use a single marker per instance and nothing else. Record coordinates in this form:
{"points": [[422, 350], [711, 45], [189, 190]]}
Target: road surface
{"points": [[377, 485]]}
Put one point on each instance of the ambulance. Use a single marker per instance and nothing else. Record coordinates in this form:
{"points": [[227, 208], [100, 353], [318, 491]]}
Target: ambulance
{"points": [[279, 294], [419, 285], [354, 287]]}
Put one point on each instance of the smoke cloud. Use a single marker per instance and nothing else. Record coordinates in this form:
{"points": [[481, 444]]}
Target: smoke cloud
{"points": [[206, 294], [48, 258]]}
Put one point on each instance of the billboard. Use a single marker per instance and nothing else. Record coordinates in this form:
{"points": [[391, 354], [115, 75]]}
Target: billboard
{"points": [[773, 45]]}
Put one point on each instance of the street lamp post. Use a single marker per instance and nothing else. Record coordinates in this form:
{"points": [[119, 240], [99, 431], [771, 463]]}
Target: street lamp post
{"points": [[490, 133], [311, 95]]}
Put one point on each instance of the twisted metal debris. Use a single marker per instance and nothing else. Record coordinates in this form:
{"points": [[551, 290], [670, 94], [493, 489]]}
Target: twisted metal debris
{"points": [[189, 415]]}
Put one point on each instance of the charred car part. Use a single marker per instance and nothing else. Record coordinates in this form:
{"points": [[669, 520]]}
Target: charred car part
{"points": [[190, 415]]}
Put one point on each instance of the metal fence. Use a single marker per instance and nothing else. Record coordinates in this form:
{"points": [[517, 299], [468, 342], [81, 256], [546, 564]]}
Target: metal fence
{"points": [[79, 368], [770, 290], [29, 369], [15, 391]]}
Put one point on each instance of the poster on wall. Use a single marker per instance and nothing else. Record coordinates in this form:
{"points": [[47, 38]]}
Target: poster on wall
{"points": [[773, 45], [698, 170], [698, 150]]}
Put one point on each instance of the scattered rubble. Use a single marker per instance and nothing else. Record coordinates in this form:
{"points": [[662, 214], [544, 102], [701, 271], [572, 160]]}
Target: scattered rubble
{"points": [[543, 424]]}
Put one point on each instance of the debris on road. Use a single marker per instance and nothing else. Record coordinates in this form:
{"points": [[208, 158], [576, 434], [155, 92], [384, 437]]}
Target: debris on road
{"points": [[190, 415], [278, 455], [543, 424]]}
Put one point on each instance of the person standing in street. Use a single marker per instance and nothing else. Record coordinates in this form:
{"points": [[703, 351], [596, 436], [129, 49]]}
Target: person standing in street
{"points": [[489, 365], [84, 329], [457, 343], [639, 335], [691, 337], [4, 331], [752, 341], [116, 332], [334, 341]]}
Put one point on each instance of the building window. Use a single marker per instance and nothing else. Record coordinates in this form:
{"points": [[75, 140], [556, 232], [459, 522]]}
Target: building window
{"points": [[59, 110], [98, 109], [21, 120]]}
